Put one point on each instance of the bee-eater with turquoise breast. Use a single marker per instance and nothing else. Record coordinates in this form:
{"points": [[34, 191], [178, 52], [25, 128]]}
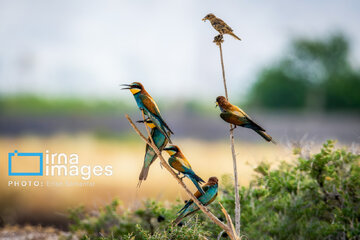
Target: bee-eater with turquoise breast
{"points": [[211, 191], [234, 115], [150, 156], [146, 102], [178, 161]]}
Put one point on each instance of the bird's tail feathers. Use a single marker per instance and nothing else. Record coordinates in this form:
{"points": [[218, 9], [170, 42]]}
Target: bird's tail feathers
{"points": [[165, 124], [198, 179], [266, 136], [178, 220], [183, 208], [233, 34], [144, 173]]}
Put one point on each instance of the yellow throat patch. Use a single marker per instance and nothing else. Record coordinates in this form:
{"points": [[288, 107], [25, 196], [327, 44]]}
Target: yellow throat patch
{"points": [[134, 90], [151, 125], [170, 152]]}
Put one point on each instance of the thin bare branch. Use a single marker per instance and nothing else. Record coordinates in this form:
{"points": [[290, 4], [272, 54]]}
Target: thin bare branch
{"points": [[223, 70], [220, 234], [228, 219]]}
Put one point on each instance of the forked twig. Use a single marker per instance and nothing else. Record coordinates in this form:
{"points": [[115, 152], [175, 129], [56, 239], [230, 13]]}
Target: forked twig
{"points": [[226, 227]]}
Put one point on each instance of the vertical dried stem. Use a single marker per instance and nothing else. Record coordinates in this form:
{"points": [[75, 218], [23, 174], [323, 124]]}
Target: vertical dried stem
{"points": [[223, 71], [232, 144], [226, 227]]}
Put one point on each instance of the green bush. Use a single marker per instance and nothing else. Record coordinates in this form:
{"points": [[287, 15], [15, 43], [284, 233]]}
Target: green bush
{"points": [[315, 197]]}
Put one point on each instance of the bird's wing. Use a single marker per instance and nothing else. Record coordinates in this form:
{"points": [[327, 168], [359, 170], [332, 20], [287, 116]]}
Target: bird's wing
{"points": [[251, 124], [228, 28], [184, 162], [176, 164], [223, 24], [238, 111], [197, 194], [159, 138], [150, 104], [233, 118], [218, 24], [211, 200]]}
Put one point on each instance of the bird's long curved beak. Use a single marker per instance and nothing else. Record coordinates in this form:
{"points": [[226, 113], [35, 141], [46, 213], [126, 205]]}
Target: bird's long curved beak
{"points": [[216, 104], [127, 86], [146, 121]]}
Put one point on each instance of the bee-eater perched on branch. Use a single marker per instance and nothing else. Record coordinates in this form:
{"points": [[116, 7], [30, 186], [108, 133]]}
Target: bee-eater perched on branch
{"points": [[178, 161], [146, 103], [220, 25], [211, 191], [234, 115], [150, 156]]}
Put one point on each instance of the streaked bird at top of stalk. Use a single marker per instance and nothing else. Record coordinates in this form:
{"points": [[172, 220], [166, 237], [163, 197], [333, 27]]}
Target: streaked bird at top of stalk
{"points": [[146, 102], [234, 115], [178, 161], [211, 191], [220, 25], [150, 156]]}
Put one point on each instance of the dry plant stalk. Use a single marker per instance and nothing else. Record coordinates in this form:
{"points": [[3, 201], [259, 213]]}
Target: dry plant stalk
{"points": [[226, 227], [218, 40]]}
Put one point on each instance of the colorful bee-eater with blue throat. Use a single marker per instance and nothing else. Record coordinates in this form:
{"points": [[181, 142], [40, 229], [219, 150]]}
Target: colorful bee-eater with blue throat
{"points": [[234, 115], [150, 156], [146, 103], [211, 191], [178, 161]]}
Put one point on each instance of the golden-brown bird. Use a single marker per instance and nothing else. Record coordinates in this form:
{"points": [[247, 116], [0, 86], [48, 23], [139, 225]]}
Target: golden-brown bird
{"points": [[220, 25], [146, 102], [234, 115], [179, 162]]}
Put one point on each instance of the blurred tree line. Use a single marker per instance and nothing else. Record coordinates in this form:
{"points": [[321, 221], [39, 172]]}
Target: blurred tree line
{"points": [[315, 75]]}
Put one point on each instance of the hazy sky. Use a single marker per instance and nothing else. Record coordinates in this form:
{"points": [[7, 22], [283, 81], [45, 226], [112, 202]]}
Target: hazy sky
{"points": [[87, 48]]}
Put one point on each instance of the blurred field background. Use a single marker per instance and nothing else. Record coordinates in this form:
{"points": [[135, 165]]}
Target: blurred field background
{"points": [[296, 72]]}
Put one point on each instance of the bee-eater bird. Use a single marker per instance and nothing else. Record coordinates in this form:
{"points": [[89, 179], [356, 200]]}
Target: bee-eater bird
{"points": [[146, 103], [150, 156], [211, 191], [220, 25], [234, 115], [178, 161]]}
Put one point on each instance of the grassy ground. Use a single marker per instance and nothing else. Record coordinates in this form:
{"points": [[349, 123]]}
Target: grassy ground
{"points": [[33, 233]]}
